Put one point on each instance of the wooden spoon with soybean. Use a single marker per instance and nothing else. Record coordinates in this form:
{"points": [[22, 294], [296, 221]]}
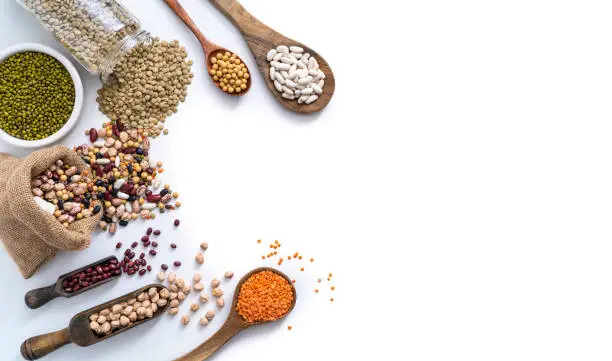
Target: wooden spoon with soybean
{"points": [[211, 50], [234, 323], [261, 39]]}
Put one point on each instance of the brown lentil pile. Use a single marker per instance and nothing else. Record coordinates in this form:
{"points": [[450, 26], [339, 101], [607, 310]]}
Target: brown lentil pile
{"points": [[146, 86], [264, 296]]}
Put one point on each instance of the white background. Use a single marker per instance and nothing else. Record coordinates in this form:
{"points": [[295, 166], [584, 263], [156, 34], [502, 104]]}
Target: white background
{"points": [[458, 185]]}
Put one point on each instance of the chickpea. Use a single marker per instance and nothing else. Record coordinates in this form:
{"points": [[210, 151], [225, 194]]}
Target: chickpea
{"points": [[194, 307], [210, 315], [204, 321], [185, 320]]}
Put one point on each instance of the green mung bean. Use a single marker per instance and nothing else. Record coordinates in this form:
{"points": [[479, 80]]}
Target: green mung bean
{"points": [[36, 95]]}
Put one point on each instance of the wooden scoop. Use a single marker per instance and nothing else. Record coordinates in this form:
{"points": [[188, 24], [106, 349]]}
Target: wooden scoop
{"points": [[261, 39], [78, 330], [40, 296], [234, 323], [211, 49]]}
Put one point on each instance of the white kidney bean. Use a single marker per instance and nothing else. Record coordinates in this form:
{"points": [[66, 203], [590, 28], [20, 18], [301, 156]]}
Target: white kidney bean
{"points": [[271, 54], [296, 74]]}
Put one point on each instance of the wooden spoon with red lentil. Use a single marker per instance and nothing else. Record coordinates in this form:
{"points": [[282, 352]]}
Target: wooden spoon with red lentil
{"points": [[263, 295]]}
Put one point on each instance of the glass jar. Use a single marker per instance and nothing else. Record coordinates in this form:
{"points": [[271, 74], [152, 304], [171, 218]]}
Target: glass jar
{"points": [[97, 32]]}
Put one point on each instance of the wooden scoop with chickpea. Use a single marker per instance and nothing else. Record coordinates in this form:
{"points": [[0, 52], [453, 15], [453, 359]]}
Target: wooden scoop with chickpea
{"points": [[226, 69]]}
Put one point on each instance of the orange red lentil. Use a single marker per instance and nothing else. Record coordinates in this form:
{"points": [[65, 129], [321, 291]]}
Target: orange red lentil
{"points": [[264, 296]]}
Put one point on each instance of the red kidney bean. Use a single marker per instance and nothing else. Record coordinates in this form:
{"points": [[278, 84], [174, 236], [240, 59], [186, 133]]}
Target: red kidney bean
{"points": [[146, 244], [154, 244], [149, 230], [142, 255], [143, 262], [157, 232], [93, 135], [154, 198], [153, 252], [142, 272], [144, 238], [134, 244], [177, 263], [149, 268]]}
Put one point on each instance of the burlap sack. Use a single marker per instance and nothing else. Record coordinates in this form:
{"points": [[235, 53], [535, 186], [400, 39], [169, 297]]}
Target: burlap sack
{"points": [[32, 236]]}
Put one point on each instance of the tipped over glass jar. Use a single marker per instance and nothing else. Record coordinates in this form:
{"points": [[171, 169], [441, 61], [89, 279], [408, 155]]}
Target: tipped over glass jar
{"points": [[97, 32]]}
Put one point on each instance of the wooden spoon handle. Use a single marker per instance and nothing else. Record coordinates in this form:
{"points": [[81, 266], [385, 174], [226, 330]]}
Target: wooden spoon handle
{"points": [[205, 350], [180, 11], [246, 22], [39, 346], [38, 297]]}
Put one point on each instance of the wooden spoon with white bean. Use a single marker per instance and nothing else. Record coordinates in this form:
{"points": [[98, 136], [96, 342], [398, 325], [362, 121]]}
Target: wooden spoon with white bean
{"points": [[261, 39]]}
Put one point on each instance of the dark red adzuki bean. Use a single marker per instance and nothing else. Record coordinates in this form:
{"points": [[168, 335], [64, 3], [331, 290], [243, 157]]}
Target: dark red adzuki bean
{"points": [[153, 252], [177, 222], [149, 268], [118, 245], [164, 266], [134, 244], [91, 276], [142, 272], [149, 230], [157, 232], [177, 263], [154, 244], [173, 245]]}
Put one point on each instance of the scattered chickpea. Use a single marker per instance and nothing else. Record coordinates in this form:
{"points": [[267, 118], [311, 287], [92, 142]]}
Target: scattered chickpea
{"points": [[198, 287], [229, 274], [173, 311], [161, 276], [203, 297], [215, 283], [199, 258], [204, 321], [194, 307], [220, 302], [185, 320], [197, 277], [217, 292], [210, 315], [204, 246]]}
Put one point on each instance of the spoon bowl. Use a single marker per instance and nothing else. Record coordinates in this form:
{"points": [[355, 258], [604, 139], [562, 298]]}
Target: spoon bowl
{"points": [[209, 63], [235, 323]]}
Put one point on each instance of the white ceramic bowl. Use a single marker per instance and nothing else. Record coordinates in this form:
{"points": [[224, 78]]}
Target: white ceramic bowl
{"points": [[78, 99]]}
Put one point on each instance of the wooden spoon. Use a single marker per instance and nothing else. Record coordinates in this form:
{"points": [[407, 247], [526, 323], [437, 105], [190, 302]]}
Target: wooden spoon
{"points": [[261, 39], [40, 296], [234, 323], [78, 330], [211, 49]]}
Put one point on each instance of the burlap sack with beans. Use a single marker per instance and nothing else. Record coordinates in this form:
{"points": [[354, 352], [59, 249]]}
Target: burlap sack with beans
{"points": [[31, 235]]}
